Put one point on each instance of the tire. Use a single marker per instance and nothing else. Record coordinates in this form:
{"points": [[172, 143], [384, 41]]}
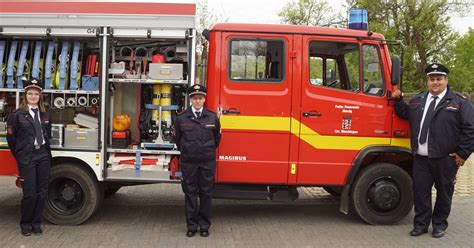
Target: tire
{"points": [[110, 190], [334, 190], [382, 194], [73, 195]]}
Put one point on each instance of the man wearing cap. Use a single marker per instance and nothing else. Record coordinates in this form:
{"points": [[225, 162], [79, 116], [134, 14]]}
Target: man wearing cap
{"points": [[442, 138], [28, 134], [197, 135]]}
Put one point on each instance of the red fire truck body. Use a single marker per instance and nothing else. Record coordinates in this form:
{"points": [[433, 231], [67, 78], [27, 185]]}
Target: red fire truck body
{"points": [[299, 106]]}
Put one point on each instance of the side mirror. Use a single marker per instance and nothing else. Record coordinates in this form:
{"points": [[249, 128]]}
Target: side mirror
{"points": [[396, 70], [205, 33]]}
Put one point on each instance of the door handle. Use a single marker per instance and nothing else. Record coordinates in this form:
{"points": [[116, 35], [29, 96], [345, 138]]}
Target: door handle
{"points": [[311, 113], [230, 111]]}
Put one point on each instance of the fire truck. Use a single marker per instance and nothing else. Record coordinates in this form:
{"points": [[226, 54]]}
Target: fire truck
{"points": [[299, 106]]}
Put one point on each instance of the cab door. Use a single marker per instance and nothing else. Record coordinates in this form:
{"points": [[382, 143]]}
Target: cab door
{"points": [[255, 103], [343, 107]]}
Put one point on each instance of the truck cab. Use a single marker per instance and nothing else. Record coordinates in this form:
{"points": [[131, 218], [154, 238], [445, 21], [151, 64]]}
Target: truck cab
{"points": [[306, 106]]}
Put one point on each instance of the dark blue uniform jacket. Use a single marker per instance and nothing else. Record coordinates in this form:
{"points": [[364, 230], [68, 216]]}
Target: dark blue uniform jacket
{"points": [[197, 139], [451, 129], [21, 134]]}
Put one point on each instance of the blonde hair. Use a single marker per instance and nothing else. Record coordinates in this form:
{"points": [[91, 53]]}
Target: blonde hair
{"points": [[24, 102]]}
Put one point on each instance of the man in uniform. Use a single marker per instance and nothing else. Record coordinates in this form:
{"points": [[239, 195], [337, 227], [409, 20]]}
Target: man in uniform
{"points": [[197, 135], [442, 138]]}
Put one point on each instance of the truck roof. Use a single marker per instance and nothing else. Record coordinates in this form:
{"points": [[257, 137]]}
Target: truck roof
{"points": [[89, 13], [293, 29]]}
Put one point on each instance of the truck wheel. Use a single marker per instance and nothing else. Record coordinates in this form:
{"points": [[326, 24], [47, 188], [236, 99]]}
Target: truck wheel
{"points": [[110, 191], [382, 194], [73, 195], [334, 190]]}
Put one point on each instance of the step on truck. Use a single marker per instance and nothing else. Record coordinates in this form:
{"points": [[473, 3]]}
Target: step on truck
{"points": [[299, 106]]}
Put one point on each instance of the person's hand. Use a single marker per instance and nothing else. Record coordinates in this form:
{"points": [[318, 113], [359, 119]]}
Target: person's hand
{"points": [[459, 160], [396, 93]]}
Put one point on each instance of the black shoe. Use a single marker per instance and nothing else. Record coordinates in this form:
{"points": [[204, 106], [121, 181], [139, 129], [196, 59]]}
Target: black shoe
{"points": [[26, 232], [37, 230], [417, 232], [190, 233], [437, 233], [204, 233]]}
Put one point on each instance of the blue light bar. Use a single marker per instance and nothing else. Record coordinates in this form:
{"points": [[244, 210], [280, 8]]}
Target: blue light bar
{"points": [[357, 19]]}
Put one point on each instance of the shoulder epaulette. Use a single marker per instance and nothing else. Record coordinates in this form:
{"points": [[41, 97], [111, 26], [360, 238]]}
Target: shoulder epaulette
{"points": [[461, 95], [15, 110], [180, 113]]}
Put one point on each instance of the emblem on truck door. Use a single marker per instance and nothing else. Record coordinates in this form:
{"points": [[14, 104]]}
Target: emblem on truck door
{"points": [[235, 158]]}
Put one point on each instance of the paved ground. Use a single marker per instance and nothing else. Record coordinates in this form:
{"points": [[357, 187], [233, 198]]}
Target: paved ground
{"points": [[153, 216]]}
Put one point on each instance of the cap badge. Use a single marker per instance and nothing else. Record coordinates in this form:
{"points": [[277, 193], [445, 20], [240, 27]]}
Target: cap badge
{"points": [[434, 66], [196, 87]]}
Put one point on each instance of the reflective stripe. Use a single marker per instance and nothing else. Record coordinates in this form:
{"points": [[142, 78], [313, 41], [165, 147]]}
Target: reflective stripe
{"points": [[288, 124]]}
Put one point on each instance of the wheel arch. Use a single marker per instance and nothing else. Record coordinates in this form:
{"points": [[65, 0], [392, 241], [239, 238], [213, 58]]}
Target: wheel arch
{"points": [[400, 156], [76, 161]]}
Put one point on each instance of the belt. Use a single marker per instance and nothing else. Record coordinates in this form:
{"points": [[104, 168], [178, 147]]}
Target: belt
{"points": [[37, 147]]}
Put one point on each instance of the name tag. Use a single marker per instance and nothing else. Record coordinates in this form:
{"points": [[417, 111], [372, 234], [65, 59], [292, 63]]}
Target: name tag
{"points": [[452, 107]]}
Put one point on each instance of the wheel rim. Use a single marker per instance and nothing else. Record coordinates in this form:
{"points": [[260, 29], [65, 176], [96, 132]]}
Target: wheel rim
{"points": [[65, 196], [383, 195]]}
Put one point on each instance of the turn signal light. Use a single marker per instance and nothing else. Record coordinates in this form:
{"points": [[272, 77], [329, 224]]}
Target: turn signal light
{"points": [[400, 133]]}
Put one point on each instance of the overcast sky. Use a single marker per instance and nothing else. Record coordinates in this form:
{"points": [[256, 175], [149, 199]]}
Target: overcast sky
{"points": [[265, 11]]}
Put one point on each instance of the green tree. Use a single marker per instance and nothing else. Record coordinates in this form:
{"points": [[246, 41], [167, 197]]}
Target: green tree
{"points": [[206, 17], [307, 12], [461, 62], [422, 25]]}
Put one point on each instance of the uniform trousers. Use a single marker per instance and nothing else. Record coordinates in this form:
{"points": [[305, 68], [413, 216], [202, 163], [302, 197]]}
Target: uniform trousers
{"points": [[442, 173], [35, 177], [198, 180]]}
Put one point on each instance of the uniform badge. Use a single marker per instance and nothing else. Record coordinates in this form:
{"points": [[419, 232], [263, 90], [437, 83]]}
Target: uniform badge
{"points": [[452, 107], [10, 130], [196, 87], [346, 121], [435, 66]]}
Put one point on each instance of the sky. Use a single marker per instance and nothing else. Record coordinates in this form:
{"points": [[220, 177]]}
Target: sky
{"points": [[266, 11]]}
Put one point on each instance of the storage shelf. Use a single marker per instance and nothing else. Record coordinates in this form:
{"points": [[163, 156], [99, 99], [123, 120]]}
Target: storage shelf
{"points": [[143, 151], [62, 148], [147, 81], [54, 91]]}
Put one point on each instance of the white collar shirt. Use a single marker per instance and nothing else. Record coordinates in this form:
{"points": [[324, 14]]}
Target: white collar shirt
{"points": [[196, 110], [423, 148], [32, 113]]}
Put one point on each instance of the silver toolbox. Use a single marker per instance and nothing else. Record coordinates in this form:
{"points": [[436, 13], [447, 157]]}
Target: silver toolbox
{"points": [[86, 138], [166, 71], [57, 135]]}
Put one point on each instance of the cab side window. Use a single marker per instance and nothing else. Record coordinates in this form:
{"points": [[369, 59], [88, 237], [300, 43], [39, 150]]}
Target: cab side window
{"points": [[372, 71], [257, 60], [334, 65]]}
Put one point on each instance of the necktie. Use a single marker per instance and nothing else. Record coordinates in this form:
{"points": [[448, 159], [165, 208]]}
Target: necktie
{"points": [[427, 121], [37, 126], [198, 114]]}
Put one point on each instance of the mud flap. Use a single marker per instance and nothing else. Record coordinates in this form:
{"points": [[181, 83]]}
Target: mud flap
{"points": [[344, 207]]}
